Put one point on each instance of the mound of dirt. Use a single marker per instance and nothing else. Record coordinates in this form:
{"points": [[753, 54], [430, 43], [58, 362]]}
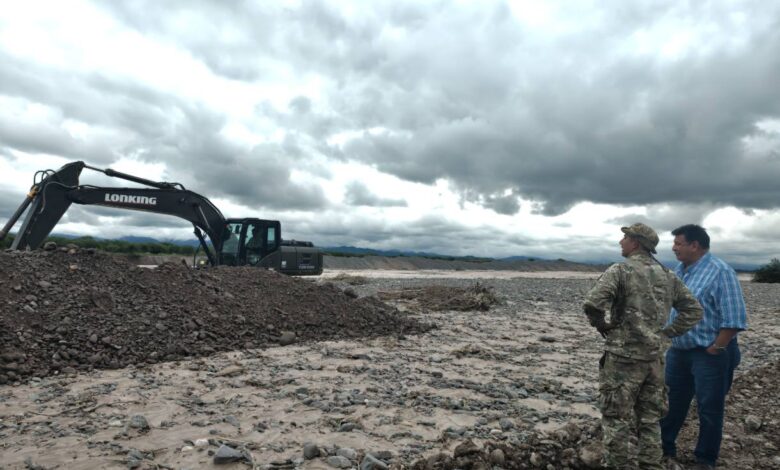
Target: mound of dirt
{"points": [[441, 298], [67, 309]]}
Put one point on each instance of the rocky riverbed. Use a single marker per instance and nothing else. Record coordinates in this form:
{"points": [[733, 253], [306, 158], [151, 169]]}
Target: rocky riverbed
{"points": [[512, 386]]}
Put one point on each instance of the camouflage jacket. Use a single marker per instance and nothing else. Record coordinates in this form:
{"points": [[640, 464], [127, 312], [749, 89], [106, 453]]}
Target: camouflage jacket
{"points": [[639, 294]]}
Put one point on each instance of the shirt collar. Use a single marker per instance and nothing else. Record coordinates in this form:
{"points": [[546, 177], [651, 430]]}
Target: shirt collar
{"points": [[701, 262]]}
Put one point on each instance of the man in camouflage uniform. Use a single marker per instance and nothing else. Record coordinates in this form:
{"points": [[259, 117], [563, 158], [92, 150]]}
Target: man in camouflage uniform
{"points": [[639, 294]]}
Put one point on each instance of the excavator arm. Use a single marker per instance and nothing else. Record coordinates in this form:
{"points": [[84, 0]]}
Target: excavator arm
{"points": [[50, 198]]}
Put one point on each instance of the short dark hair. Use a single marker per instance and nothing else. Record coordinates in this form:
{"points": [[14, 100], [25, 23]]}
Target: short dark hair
{"points": [[694, 233]]}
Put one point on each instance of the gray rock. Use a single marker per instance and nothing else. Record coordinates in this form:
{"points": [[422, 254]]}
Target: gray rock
{"points": [[350, 292], [372, 463], [347, 427], [497, 458], [752, 423], [230, 419], [506, 424], [591, 457], [458, 430], [134, 458], [466, 448], [348, 453], [138, 422], [384, 455], [310, 451], [338, 461], [288, 337], [227, 454]]}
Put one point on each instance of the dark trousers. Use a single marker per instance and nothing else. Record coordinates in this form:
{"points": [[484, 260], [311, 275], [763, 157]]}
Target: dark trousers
{"points": [[695, 372]]}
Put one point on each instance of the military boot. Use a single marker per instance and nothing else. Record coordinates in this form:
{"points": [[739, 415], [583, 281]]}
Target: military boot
{"points": [[671, 463]]}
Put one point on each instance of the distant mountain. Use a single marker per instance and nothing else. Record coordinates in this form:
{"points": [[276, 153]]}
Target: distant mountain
{"points": [[522, 258], [353, 250], [131, 239]]}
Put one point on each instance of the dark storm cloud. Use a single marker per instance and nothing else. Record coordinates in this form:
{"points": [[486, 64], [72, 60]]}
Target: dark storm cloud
{"points": [[666, 218], [469, 95], [155, 127], [359, 195], [465, 97]]}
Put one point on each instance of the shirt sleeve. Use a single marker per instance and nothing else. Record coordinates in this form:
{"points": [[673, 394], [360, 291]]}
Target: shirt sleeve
{"points": [[731, 303], [689, 311], [601, 296]]}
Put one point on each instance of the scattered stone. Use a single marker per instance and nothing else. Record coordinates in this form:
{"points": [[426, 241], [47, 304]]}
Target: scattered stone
{"points": [[372, 463], [752, 423], [591, 456], [134, 458], [338, 461], [287, 338], [226, 454], [347, 427], [138, 422], [201, 443], [466, 448], [497, 458], [310, 451], [347, 453]]}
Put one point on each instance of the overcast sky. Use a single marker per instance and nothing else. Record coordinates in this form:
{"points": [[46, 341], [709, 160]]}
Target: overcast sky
{"points": [[487, 128]]}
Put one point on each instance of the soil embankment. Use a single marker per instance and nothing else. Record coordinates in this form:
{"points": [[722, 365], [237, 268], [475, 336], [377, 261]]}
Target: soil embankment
{"points": [[68, 310]]}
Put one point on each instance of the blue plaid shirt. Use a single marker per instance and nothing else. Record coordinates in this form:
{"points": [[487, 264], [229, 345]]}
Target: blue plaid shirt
{"points": [[714, 284]]}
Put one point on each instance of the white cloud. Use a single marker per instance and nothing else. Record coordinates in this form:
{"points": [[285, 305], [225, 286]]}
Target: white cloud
{"points": [[485, 128]]}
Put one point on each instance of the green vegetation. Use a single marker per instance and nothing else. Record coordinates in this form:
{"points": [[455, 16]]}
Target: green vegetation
{"points": [[768, 272], [116, 246]]}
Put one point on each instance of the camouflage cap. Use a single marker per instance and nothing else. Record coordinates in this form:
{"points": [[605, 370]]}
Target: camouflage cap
{"points": [[645, 235]]}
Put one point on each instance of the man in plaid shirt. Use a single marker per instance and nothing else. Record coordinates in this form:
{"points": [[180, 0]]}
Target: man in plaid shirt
{"points": [[701, 362]]}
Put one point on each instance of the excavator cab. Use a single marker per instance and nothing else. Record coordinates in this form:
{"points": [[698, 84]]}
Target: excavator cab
{"points": [[258, 242], [249, 241]]}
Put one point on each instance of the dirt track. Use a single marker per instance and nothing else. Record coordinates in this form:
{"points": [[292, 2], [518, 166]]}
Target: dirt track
{"points": [[516, 381]]}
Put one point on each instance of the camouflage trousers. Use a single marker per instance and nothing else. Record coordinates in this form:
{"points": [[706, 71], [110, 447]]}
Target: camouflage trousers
{"points": [[632, 398]]}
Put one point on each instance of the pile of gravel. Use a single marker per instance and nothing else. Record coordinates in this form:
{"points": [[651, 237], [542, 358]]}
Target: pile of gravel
{"points": [[67, 309]]}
